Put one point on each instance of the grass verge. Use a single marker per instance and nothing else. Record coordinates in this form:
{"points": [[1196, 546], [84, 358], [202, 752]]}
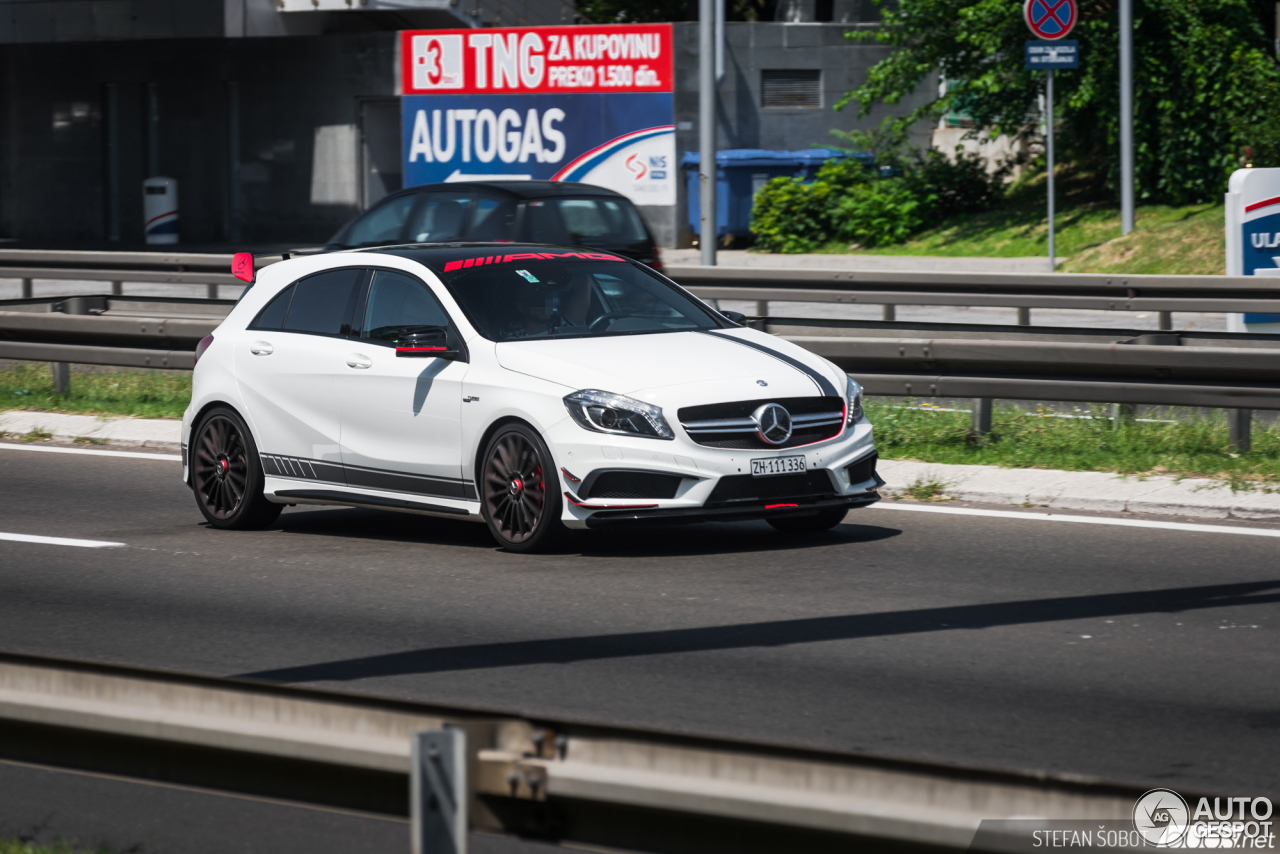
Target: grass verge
{"points": [[1170, 240], [1195, 445], [94, 391]]}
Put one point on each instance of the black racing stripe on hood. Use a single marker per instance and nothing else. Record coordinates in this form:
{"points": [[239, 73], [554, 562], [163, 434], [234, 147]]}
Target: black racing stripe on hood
{"points": [[824, 385]]}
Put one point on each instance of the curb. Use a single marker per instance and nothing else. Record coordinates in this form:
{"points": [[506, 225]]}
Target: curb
{"points": [[1105, 492], [122, 432]]}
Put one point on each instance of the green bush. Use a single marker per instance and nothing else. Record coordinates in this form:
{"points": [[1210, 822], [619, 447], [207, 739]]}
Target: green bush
{"points": [[849, 202]]}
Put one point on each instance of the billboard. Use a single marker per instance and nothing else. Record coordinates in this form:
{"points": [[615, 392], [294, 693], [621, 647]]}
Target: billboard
{"points": [[1253, 237], [587, 103]]}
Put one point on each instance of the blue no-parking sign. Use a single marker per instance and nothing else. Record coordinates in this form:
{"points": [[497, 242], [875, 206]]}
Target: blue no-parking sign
{"points": [[1050, 19]]}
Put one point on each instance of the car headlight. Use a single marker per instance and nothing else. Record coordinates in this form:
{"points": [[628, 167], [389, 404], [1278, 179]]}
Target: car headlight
{"points": [[853, 393], [606, 412]]}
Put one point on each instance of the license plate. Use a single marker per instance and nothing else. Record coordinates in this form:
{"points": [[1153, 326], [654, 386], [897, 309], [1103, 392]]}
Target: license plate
{"points": [[777, 465]]}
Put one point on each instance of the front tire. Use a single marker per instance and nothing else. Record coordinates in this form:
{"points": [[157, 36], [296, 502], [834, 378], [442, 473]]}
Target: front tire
{"points": [[823, 520], [519, 491], [226, 474]]}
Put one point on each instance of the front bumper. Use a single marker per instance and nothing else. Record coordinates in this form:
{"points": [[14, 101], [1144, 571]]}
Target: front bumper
{"points": [[604, 519], [580, 454]]}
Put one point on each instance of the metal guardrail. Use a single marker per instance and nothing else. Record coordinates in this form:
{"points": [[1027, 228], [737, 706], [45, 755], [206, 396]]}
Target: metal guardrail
{"points": [[630, 787], [1025, 291]]}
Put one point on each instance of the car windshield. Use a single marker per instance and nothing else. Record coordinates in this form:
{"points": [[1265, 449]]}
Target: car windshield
{"points": [[540, 298]]}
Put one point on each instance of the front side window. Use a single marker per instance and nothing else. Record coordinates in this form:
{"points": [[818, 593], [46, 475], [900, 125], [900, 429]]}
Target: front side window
{"points": [[548, 298], [592, 221], [396, 303], [491, 217], [381, 225], [440, 217], [322, 304]]}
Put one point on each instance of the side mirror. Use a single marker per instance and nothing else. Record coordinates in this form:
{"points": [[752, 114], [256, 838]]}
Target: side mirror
{"points": [[735, 316], [426, 342]]}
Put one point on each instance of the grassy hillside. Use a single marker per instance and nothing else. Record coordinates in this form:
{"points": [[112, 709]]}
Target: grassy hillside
{"points": [[1166, 239]]}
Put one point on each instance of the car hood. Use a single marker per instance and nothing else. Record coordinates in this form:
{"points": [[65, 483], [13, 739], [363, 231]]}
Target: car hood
{"points": [[678, 368]]}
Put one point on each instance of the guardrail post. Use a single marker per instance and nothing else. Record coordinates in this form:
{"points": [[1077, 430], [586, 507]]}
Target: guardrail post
{"points": [[762, 308], [1024, 317], [61, 370], [1123, 413], [982, 408], [117, 289], [890, 312], [26, 289], [1166, 321], [438, 798], [1240, 428], [211, 291]]}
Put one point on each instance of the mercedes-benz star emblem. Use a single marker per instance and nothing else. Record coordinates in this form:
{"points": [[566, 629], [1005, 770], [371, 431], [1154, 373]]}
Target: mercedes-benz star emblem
{"points": [[773, 423]]}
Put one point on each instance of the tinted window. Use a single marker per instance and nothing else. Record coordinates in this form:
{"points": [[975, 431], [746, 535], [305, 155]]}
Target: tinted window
{"points": [[397, 302], [322, 303], [272, 317], [543, 298], [382, 224], [440, 217], [491, 217], [593, 221]]}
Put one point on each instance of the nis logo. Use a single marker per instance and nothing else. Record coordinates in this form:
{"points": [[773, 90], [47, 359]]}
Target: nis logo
{"points": [[655, 168]]}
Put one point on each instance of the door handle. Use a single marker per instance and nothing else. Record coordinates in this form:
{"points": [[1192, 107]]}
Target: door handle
{"points": [[359, 360], [261, 348]]}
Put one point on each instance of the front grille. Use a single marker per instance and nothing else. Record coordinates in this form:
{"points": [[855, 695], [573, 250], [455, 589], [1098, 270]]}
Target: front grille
{"points": [[746, 489], [862, 470], [633, 484], [729, 425]]}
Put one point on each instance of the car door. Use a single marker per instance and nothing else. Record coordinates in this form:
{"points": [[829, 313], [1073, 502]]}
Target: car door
{"points": [[400, 416], [287, 363]]}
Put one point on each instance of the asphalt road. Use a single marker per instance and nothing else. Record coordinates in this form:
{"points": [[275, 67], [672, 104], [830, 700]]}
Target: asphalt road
{"points": [[1131, 654]]}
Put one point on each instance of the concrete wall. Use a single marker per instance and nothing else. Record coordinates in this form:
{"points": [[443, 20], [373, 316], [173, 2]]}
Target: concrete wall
{"points": [[299, 98]]}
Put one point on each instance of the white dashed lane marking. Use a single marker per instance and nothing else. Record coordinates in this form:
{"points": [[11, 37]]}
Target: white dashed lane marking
{"points": [[1084, 520], [59, 541]]}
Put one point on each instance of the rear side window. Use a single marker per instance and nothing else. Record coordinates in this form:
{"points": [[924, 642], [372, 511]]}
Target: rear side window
{"points": [[272, 317], [593, 222], [382, 224], [491, 217], [322, 304]]}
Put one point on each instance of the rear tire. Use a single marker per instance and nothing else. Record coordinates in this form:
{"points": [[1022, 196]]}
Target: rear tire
{"points": [[823, 520], [226, 473], [520, 491]]}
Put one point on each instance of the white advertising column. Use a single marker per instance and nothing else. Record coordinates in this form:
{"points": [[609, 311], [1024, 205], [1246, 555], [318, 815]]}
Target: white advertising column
{"points": [[1253, 237]]}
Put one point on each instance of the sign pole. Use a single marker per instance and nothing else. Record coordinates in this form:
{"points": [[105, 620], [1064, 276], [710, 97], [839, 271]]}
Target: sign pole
{"points": [[1126, 116], [1048, 137], [707, 221]]}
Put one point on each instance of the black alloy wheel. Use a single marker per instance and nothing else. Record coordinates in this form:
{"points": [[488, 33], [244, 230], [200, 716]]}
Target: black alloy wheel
{"points": [[823, 520], [520, 490], [226, 474]]}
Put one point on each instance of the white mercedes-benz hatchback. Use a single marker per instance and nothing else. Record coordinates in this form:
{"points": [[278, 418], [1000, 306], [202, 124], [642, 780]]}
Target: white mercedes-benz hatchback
{"points": [[535, 388]]}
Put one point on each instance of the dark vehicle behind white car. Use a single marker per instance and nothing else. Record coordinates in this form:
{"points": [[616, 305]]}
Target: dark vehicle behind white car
{"points": [[545, 212]]}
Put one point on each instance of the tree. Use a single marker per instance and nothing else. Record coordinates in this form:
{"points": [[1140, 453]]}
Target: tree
{"points": [[1202, 83]]}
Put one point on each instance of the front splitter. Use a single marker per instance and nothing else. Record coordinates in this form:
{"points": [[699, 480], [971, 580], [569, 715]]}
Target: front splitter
{"points": [[687, 515]]}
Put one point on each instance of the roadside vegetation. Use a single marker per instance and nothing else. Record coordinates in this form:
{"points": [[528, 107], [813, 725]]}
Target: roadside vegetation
{"points": [[1188, 444], [96, 391]]}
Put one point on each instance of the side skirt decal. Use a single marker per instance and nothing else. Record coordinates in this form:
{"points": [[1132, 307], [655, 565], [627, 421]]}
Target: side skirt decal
{"points": [[319, 471]]}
